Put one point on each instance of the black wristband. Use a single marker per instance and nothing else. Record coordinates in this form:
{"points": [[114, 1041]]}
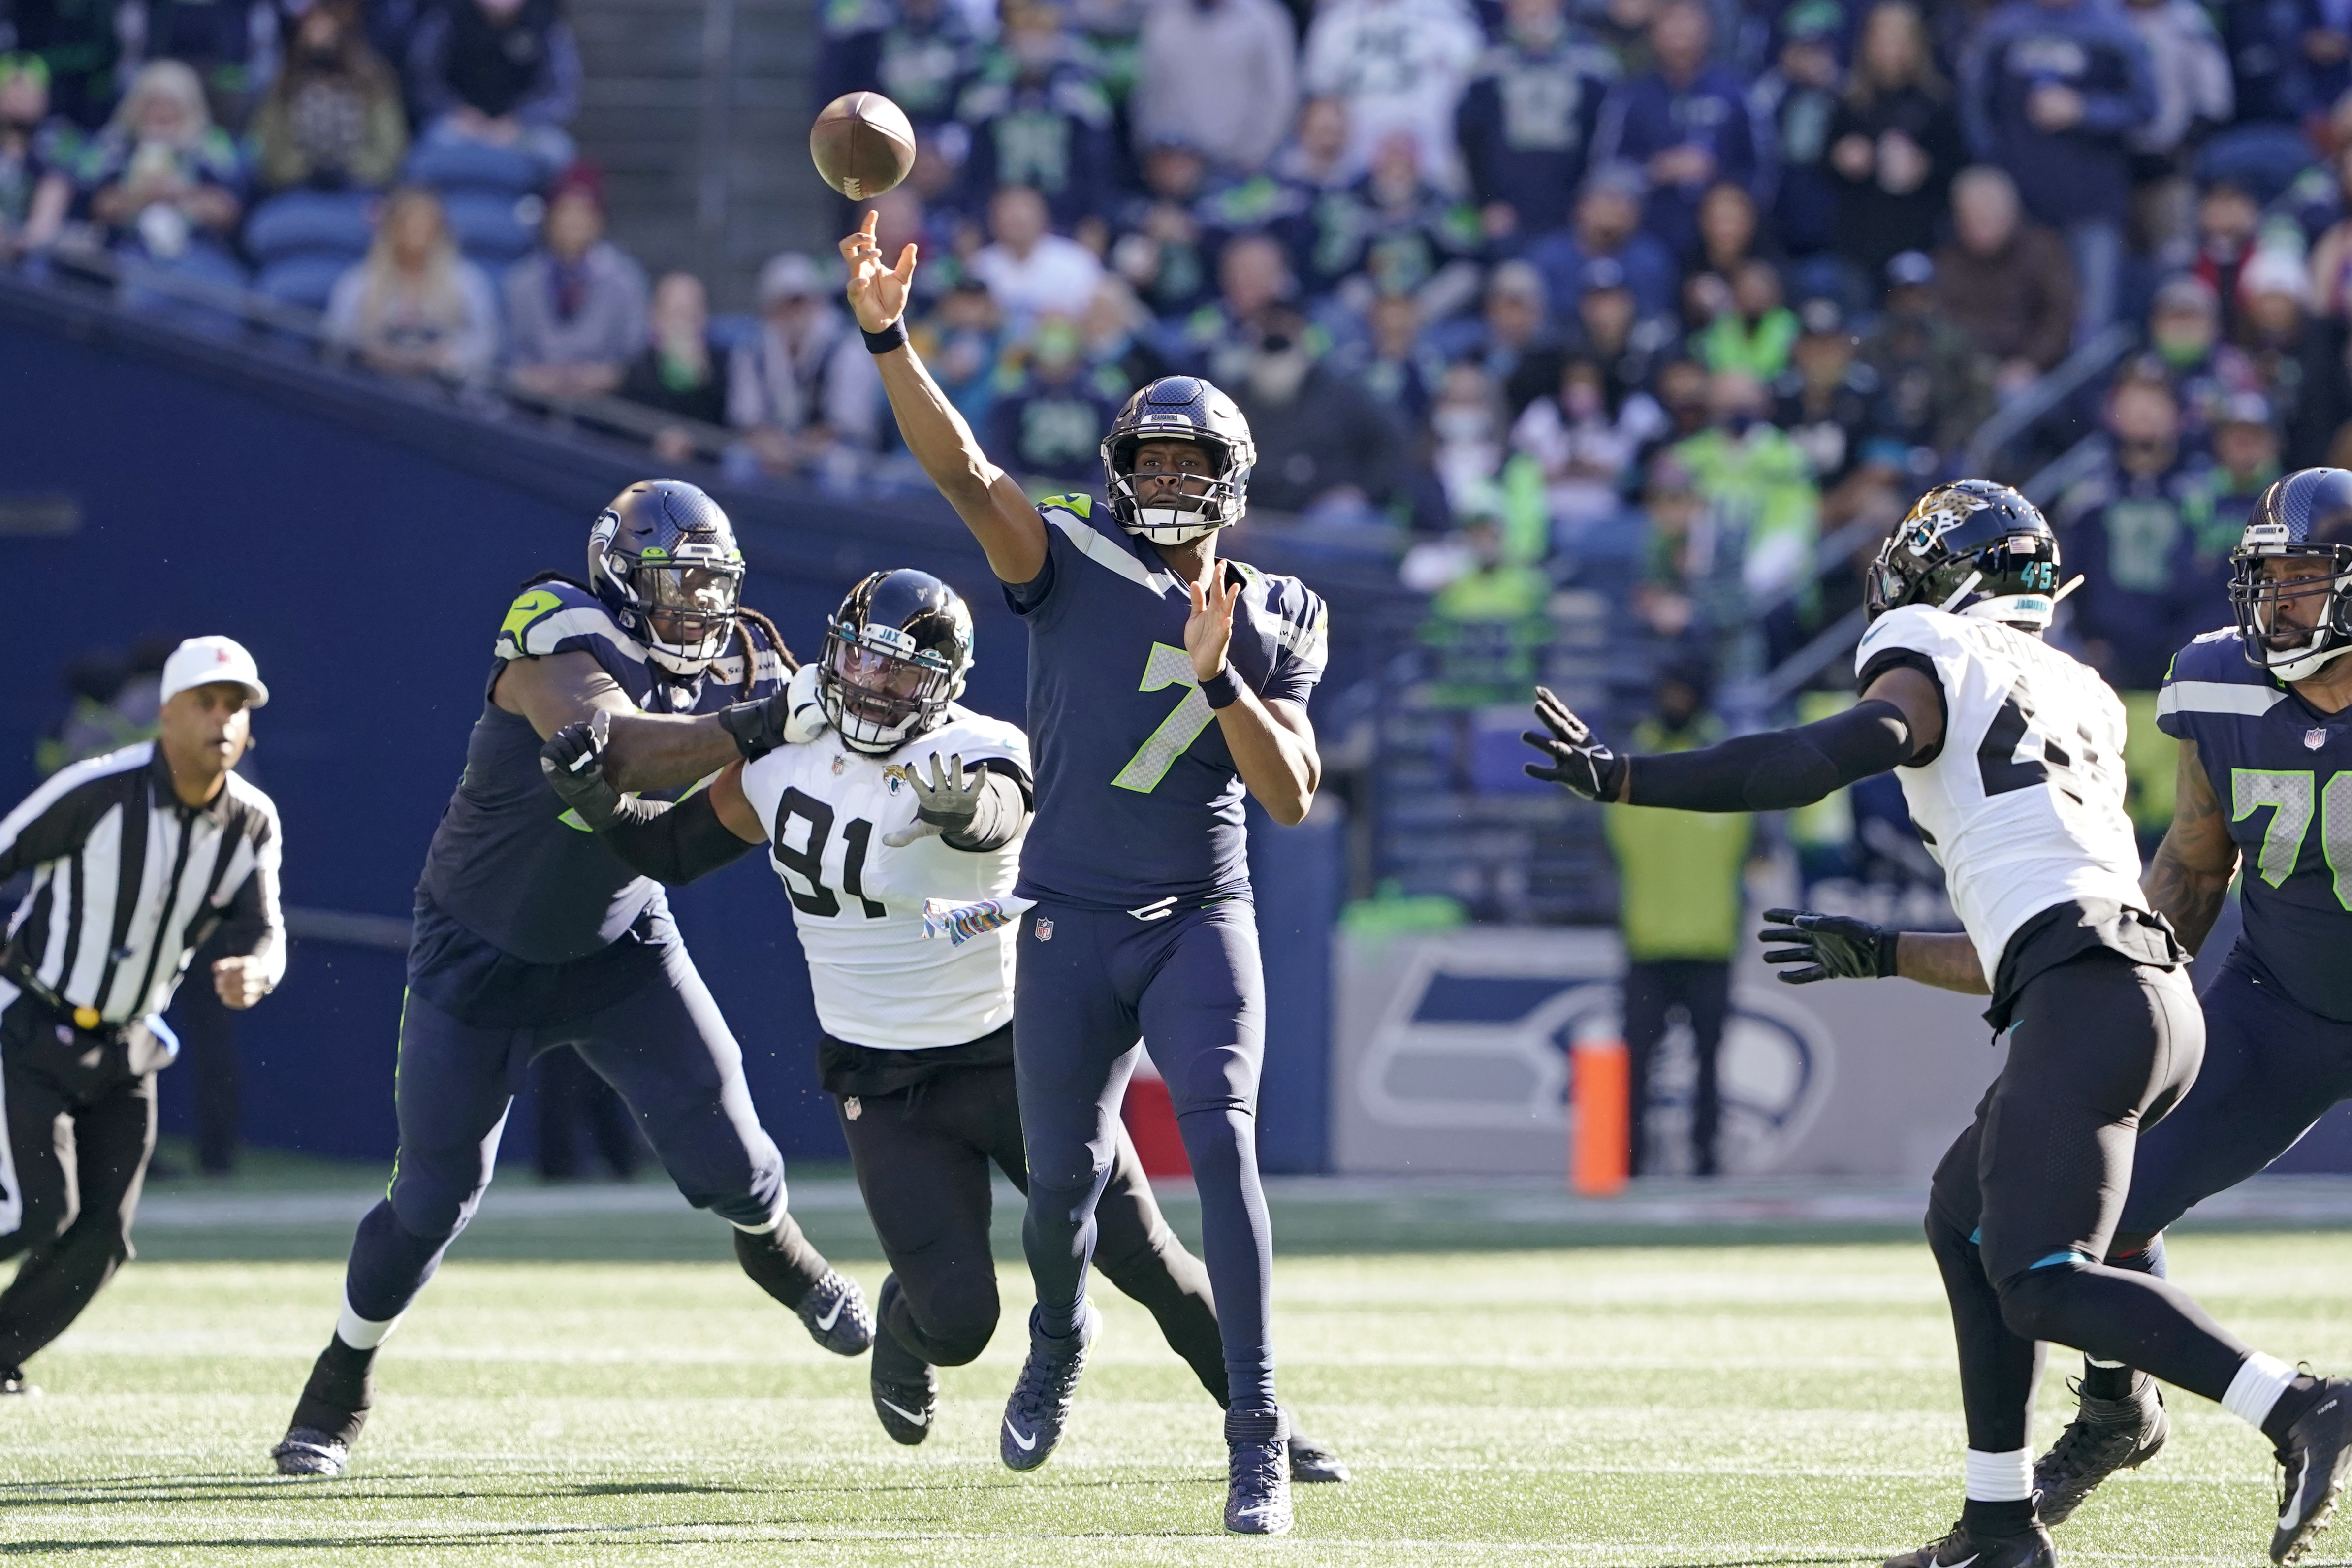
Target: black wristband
{"points": [[1221, 688], [892, 336]]}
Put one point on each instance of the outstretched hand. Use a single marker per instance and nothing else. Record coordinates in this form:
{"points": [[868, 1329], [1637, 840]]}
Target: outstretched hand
{"points": [[1577, 758], [877, 293], [1210, 632], [945, 803], [1827, 947]]}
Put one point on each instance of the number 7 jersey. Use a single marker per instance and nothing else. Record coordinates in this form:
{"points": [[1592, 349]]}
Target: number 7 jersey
{"points": [[858, 903], [2023, 805]]}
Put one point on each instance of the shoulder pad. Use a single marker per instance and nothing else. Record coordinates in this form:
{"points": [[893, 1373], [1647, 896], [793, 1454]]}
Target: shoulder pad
{"points": [[556, 617], [1913, 627], [1303, 619], [2216, 656], [1078, 503]]}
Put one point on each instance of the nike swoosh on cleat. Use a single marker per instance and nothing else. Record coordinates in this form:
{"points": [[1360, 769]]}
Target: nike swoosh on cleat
{"points": [[824, 1325], [1963, 1562], [905, 1414], [1026, 1445]]}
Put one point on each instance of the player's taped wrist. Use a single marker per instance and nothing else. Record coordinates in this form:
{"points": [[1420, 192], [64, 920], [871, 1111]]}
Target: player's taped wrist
{"points": [[892, 336], [1222, 689], [1780, 769], [672, 842]]}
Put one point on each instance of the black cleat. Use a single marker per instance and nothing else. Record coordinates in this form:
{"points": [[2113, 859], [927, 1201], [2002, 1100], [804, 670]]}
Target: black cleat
{"points": [[2316, 1454], [906, 1387], [2105, 1435], [13, 1382], [306, 1451], [329, 1415], [1257, 1482], [835, 1314], [1312, 1462], [1040, 1405], [1963, 1548]]}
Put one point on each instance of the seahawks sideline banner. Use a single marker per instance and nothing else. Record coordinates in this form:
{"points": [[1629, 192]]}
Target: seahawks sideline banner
{"points": [[1451, 1054]]}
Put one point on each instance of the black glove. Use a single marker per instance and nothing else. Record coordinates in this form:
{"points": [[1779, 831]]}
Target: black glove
{"points": [[1831, 947], [945, 805], [1579, 759], [573, 761], [789, 718]]}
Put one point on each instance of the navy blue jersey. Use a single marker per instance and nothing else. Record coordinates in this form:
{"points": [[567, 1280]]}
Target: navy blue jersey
{"points": [[1138, 799], [2283, 772], [509, 862]]}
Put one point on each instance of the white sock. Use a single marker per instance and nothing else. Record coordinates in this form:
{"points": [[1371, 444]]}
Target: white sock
{"points": [[2110, 1366], [362, 1333], [775, 1218], [2001, 1478], [2261, 1380]]}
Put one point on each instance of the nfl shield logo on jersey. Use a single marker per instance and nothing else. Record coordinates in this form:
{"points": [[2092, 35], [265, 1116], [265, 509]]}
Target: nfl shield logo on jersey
{"points": [[2314, 738], [1045, 929]]}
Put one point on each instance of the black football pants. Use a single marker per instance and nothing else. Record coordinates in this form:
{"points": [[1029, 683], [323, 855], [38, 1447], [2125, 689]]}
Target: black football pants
{"points": [[78, 1131], [1701, 989], [2024, 1206], [922, 1157]]}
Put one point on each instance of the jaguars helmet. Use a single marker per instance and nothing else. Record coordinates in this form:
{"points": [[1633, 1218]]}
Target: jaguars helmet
{"points": [[1181, 508], [1973, 547], [896, 655], [2304, 517], [663, 561]]}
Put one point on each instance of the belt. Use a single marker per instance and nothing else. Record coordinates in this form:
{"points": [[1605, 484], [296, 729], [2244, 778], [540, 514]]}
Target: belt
{"points": [[84, 1018]]}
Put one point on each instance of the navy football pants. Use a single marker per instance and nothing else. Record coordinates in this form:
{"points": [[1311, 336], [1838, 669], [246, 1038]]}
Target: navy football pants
{"points": [[1088, 982], [665, 1048]]}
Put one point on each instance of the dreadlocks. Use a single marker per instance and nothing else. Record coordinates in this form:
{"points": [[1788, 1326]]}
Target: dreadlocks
{"points": [[746, 618]]}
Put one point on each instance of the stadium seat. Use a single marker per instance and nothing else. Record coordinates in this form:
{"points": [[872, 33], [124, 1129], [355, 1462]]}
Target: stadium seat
{"points": [[451, 166], [491, 229], [2262, 158], [338, 224], [301, 279]]}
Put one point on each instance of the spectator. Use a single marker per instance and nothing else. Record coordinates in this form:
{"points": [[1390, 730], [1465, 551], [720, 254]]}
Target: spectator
{"points": [[231, 44], [962, 346], [1756, 485], [679, 371], [1680, 895], [2262, 44], [1832, 405], [1324, 446], [576, 306], [1117, 334], [1512, 341], [2009, 285], [1677, 548], [1686, 124], [165, 180], [1729, 231], [1317, 158], [1471, 431], [1217, 340], [1755, 334], [1052, 420], [2245, 461], [2127, 530], [917, 53], [1939, 388], [1611, 333], [497, 73], [806, 391], [1608, 227], [1398, 66], [2331, 259], [1583, 448], [2324, 38], [2193, 99], [2298, 359], [1038, 117], [1525, 121], [1895, 142], [37, 153], [332, 118], [1222, 74], [1396, 232], [79, 46], [2227, 224], [1401, 373], [1796, 98], [1159, 245], [2184, 329], [2050, 89], [415, 307], [1029, 271], [1682, 397]]}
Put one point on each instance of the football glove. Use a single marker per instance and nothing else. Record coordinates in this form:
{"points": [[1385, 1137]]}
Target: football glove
{"points": [[790, 718], [1830, 947], [1579, 761], [573, 761], [945, 805]]}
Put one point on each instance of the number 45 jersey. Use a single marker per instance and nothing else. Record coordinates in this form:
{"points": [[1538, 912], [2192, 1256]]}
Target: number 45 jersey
{"points": [[2282, 774], [1138, 804], [858, 903], [2023, 805]]}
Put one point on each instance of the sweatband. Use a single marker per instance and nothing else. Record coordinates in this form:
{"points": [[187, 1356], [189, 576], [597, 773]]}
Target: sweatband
{"points": [[1221, 688], [1780, 769], [892, 336]]}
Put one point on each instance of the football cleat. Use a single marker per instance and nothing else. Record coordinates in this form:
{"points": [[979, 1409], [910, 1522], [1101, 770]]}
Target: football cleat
{"points": [[1040, 1405], [306, 1451], [836, 1315], [2316, 1455], [1312, 1462], [12, 1381], [1963, 1548], [906, 1387], [2105, 1435], [1257, 1483]]}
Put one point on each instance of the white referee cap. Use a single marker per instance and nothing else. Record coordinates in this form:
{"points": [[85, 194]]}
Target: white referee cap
{"points": [[202, 660]]}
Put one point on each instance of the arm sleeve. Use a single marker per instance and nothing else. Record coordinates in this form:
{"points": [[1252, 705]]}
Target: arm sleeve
{"points": [[1003, 809], [672, 843], [1777, 771]]}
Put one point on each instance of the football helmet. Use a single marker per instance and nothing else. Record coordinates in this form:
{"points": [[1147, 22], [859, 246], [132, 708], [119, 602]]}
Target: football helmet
{"points": [[896, 655], [663, 561], [1973, 547], [2304, 517], [1179, 509]]}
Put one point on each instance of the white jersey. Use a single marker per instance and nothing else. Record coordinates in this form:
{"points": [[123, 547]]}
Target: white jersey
{"points": [[2023, 806], [859, 903]]}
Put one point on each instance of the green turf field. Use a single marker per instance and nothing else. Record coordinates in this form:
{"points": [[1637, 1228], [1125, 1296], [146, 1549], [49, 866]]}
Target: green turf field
{"points": [[641, 1402]]}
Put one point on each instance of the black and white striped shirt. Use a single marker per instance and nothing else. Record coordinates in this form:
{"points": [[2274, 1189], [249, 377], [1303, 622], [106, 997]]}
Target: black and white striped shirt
{"points": [[127, 882]]}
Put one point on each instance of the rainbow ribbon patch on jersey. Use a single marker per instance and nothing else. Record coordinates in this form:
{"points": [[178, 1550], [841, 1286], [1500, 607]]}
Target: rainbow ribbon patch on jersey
{"points": [[962, 923]]}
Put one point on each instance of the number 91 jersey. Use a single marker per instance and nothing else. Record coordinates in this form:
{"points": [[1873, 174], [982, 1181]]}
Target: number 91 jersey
{"points": [[858, 903], [2282, 774], [2023, 805]]}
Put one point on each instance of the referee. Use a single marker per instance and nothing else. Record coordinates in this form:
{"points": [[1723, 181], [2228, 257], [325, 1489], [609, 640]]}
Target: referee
{"points": [[138, 858]]}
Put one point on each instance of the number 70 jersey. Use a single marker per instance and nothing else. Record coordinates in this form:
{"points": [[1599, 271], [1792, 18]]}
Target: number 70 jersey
{"points": [[2023, 805], [858, 903]]}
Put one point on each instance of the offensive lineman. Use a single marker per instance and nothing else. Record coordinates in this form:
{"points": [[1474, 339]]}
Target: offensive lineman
{"points": [[530, 934], [1163, 682], [917, 1047], [2010, 756]]}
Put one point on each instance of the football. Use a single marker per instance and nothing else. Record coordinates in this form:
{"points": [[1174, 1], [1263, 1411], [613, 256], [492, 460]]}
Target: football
{"points": [[862, 144]]}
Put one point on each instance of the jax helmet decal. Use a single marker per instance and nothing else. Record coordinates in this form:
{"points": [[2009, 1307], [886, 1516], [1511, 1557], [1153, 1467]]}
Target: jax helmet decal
{"points": [[1180, 509], [1973, 547], [663, 560], [2304, 522], [895, 656]]}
